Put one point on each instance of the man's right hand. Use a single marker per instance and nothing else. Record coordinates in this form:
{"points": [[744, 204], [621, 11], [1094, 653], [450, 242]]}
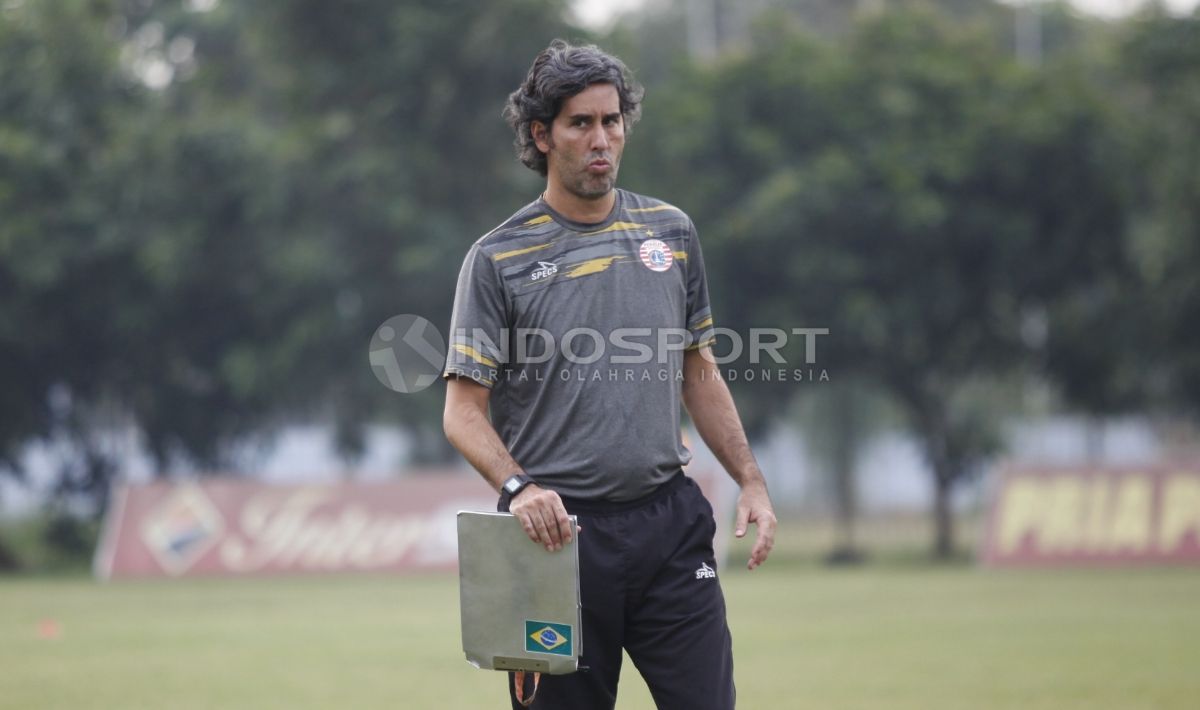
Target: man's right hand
{"points": [[543, 516]]}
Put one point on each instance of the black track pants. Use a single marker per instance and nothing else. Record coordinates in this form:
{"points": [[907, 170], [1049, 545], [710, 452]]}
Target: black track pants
{"points": [[648, 584]]}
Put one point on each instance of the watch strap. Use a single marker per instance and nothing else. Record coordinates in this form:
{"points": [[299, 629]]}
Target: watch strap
{"points": [[515, 484]]}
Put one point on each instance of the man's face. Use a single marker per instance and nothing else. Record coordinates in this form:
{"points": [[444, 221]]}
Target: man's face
{"points": [[583, 147]]}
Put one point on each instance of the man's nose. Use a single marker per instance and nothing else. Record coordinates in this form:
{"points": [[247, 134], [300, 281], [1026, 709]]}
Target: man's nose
{"points": [[599, 138]]}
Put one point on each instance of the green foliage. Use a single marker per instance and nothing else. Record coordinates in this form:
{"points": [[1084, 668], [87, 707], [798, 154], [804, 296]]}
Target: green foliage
{"points": [[49, 541], [1160, 81], [207, 214], [61, 104], [914, 189]]}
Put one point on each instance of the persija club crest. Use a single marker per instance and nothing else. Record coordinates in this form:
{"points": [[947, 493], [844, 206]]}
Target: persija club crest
{"points": [[656, 255]]}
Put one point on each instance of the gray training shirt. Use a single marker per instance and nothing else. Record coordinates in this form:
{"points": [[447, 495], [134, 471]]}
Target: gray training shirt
{"points": [[591, 413]]}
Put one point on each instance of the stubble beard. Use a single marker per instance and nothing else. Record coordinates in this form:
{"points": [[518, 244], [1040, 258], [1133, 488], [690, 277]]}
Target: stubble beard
{"points": [[593, 187], [580, 183]]}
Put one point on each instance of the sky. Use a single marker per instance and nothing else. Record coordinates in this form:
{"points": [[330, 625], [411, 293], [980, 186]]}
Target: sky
{"points": [[599, 13]]}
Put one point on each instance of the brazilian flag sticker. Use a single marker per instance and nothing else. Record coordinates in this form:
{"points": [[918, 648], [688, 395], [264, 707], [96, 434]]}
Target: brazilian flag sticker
{"points": [[547, 637]]}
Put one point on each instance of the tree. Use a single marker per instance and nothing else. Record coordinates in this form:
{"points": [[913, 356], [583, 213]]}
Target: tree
{"points": [[62, 104], [207, 214], [1159, 78], [839, 419], [911, 188]]}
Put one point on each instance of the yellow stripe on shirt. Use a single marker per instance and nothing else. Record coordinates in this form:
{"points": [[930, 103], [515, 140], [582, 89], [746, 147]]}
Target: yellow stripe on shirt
{"points": [[593, 266], [657, 208], [618, 227], [517, 252], [474, 354]]}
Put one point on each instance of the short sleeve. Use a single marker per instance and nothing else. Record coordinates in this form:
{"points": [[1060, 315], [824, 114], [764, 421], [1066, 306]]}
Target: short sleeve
{"points": [[699, 312], [478, 322]]}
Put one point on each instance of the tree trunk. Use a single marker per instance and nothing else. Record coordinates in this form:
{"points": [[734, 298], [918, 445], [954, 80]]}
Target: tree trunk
{"points": [[847, 510], [943, 517], [8, 560], [938, 447], [845, 445], [845, 551], [944, 456], [846, 437]]}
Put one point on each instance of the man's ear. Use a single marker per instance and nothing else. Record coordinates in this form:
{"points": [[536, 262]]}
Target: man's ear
{"points": [[541, 136]]}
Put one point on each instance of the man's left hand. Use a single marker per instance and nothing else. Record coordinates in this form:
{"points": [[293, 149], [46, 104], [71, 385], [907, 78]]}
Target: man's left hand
{"points": [[754, 506]]}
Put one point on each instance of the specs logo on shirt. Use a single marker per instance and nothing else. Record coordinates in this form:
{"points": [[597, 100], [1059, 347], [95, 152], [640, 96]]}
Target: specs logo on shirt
{"points": [[544, 270]]}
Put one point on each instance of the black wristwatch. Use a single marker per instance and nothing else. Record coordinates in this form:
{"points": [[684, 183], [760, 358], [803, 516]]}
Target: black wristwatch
{"points": [[515, 484]]}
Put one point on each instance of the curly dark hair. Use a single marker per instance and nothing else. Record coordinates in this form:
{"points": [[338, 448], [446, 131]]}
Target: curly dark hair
{"points": [[559, 72]]}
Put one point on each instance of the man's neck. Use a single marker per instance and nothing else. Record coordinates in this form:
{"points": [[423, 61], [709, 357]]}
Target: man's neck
{"points": [[579, 209]]}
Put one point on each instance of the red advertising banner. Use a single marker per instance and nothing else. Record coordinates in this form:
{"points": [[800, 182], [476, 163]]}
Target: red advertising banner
{"points": [[232, 526], [1105, 516], [229, 526]]}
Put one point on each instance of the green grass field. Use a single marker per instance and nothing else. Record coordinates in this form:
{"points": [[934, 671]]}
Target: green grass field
{"points": [[890, 636]]}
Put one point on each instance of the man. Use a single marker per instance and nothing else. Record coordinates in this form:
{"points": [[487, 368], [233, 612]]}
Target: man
{"points": [[585, 416]]}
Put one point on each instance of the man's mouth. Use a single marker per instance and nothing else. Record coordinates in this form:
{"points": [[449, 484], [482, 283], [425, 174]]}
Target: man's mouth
{"points": [[599, 166]]}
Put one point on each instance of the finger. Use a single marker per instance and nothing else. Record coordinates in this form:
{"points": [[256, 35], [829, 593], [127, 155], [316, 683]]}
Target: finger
{"points": [[743, 517], [558, 521], [527, 524], [758, 555], [564, 524], [525, 519], [539, 525], [553, 540], [764, 541]]}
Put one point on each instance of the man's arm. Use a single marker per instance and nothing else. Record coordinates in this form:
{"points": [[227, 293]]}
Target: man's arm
{"points": [[468, 428], [713, 412]]}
